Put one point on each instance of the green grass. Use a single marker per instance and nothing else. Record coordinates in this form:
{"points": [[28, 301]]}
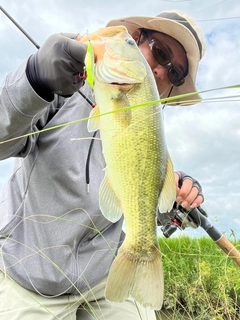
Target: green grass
{"points": [[200, 280]]}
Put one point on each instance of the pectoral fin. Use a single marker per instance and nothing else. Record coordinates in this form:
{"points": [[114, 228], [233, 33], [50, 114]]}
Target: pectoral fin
{"points": [[94, 122], [108, 202], [169, 192], [121, 102]]}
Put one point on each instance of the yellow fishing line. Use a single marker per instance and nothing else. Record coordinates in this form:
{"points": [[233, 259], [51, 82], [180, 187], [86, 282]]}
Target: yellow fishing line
{"points": [[236, 86]]}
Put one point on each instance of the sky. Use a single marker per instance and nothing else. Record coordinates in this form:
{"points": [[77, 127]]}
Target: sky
{"points": [[204, 139]]}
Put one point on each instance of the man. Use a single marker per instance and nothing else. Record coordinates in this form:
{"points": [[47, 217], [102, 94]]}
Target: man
{"points": [[56, 247]]}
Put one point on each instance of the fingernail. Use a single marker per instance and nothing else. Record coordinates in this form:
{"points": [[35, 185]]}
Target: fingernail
{"points": [[193, 205], [184, 204], [179, 199]]}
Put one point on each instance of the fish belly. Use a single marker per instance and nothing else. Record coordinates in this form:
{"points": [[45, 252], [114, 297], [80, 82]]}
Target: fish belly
{"points": [[136, 164]]}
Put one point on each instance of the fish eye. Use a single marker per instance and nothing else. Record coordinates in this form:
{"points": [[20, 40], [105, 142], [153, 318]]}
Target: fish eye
{"points": [[130, 41]]}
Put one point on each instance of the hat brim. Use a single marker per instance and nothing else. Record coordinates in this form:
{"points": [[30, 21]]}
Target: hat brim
{"points": [[183, 36]]}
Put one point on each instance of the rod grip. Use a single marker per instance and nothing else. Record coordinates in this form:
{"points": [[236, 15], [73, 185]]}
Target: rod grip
{"points": [[229, 249]]}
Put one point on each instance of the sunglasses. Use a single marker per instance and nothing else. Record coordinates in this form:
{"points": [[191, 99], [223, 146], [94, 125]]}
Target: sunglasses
{"points": [[162, 56]]}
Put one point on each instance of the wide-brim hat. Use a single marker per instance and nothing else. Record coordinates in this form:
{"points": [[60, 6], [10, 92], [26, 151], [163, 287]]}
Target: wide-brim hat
{"points": [[185, 30]]}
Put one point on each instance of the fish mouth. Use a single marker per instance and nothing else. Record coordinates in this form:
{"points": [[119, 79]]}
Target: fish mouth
{"points": [[121, 84]]}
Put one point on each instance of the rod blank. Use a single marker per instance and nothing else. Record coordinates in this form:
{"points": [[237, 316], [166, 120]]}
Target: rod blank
{"points": [[19, 27]]}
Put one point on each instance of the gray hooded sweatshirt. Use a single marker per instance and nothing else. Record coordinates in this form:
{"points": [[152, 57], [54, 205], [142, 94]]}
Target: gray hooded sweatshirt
{"points": [[53, 238]]}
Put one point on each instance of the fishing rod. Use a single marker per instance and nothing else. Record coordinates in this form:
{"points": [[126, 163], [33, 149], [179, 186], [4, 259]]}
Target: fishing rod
{"points": [[19, 27], [198, 217], [38, 47]]}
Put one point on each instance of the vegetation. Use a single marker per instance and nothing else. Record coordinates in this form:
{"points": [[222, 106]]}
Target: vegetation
{"points": [[201, 282]]}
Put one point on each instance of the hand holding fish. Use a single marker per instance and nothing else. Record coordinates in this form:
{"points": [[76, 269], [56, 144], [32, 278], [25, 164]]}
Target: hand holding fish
{"points": [[58, 66], [189, 190]]}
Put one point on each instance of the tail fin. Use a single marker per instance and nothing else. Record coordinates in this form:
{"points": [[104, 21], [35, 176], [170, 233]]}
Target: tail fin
{"points": [[138, 277]]}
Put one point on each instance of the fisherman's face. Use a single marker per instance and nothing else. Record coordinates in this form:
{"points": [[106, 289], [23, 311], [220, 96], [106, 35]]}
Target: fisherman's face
{"points": [[177, 57]]}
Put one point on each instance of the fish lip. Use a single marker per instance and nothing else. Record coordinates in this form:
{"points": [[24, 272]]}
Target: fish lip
{"points": [[119, 84]]}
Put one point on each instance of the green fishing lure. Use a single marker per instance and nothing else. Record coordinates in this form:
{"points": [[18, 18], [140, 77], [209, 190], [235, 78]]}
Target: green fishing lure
{"points": [[89, 63]]}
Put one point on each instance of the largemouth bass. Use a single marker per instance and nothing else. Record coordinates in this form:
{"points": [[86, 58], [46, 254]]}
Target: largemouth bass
{"points": [[139, 177]]}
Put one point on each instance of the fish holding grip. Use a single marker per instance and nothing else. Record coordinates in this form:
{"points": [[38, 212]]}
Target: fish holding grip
{"points": [[195, 218]]}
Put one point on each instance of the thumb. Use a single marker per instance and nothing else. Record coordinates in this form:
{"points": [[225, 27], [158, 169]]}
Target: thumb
{"points": [[79, 37], [77, 50], [69, 35]]}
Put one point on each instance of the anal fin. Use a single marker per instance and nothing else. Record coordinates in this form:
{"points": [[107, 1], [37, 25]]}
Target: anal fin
{"points": [[108, 202]]}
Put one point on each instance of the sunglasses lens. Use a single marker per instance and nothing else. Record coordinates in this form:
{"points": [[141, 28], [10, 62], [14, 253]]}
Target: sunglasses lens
{"points": [[160, 53], [162, 56], [175, 76]]}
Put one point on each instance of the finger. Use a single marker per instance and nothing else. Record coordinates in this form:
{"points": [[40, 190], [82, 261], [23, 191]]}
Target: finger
{"points": [[197, 202], [190, 204], [77, 50], [79, 37], [184, 190], [182, 176], [70, 35], [190, 198]]}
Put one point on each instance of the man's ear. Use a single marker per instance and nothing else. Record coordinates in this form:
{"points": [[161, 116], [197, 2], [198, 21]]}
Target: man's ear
{"points": [[136, 35]]}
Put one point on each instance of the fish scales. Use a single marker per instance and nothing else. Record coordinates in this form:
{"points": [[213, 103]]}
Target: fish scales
{"points": [[139, 177]]}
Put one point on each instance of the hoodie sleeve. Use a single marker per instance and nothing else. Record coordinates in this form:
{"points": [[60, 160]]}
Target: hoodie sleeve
{"points": [[20, 109]]}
